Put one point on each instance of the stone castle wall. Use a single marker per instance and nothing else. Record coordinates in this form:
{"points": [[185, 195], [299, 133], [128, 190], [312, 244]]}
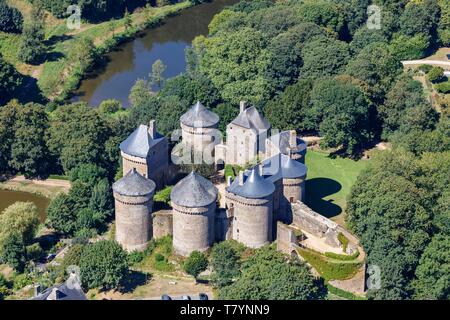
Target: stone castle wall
{"points": [[305, 218], [133, 221], [162, 224], [200, 139], [252, 220], [193, 228], [242, 145]]}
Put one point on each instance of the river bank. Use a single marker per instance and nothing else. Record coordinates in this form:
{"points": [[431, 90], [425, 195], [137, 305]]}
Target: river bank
{"points": [[60, 72]]}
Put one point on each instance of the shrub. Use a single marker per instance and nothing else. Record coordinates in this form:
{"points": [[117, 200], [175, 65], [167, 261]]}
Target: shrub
{"points": [[135, 257], [342, 257], [436, 74], [34, 251], [443, 87], [343, 240], [343, 294], [110, 106], [21, 280], [425, 68], [195, 264]]}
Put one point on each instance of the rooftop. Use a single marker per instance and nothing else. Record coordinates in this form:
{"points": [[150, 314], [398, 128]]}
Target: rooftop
{"points": [[70, 290], [133, 184], [250, 118], [194, 191], [199, 117], [283, 141], [254, 186], [282, 166], [139, 143]]}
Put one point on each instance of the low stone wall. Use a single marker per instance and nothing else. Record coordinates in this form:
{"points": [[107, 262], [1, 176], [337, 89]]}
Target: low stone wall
{"points": [[309, 220], [162, 224]]}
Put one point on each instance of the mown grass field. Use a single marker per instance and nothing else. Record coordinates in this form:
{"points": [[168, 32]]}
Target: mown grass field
{"points": [[329, 183]]}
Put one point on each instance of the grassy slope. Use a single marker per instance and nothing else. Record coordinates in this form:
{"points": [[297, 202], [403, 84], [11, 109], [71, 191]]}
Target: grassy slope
{"points": [[329, 183]]}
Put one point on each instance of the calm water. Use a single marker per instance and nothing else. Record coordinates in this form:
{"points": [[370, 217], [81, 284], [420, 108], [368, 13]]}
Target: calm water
{"points": [[7, 198], [134, 59]]}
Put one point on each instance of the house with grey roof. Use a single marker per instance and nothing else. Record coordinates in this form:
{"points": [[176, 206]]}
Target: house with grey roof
{"points": [[69, 290], [246, 136], [147, 151]]}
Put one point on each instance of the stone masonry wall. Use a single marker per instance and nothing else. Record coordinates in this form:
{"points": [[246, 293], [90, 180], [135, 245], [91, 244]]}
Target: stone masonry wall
{"points": [[305, 218], [133, 221], [162, 224]]}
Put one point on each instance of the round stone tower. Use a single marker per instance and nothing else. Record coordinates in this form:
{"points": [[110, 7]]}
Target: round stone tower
{"points": [[133, 196], [194, 206], [250, 200], [199, 128]]}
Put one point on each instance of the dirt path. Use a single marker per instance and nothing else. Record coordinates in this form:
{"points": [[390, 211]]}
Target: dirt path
{"points": [[65, 184], [444, 64]]}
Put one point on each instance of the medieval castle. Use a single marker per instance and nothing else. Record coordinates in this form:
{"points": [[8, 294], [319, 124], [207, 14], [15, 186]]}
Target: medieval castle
{"points": [[255, 201]]}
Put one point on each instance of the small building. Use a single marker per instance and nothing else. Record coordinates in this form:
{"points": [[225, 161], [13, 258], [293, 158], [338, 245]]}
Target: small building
{"points": [[147, 151], [200, 129], [246, 137], [133, 196], [287, 143], [249, 200], [69, 290], [194, 206]]}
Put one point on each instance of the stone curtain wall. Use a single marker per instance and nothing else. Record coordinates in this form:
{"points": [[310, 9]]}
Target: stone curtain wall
{"points": [[316, 224], [162, 224]]}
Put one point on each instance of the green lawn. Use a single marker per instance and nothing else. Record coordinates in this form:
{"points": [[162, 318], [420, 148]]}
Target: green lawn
{"points": [[329, 183]]}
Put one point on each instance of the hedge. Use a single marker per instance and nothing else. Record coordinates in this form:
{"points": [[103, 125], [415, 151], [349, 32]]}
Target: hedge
{"points": [[342, 257]]}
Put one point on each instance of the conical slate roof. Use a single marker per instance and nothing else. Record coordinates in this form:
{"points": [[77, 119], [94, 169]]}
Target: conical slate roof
{"points": [[194, 191], [140, 142], [133, 184], [199, 117], [254, 187], [250, 118], [282, 166]]}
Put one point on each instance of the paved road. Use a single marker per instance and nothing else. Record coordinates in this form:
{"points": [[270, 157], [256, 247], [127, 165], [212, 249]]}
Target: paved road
{"points": [[430, 62]]}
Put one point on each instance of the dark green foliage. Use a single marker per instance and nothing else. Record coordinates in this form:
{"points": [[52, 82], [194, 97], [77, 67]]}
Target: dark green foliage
{"points": [[29, 152], [227, 113], [101, 201], [268, 276], [376, 67], [324, 13], [289, 109], [195, 264], [73, 256], [443, 87], [225, 262], [11, 19], [14, 252], [391, 208], [169, 113], [191, 90], [103, 265], [343, 115], [323, 56], [60, 215], [436, 74], [77, 135], [32, 47], [248, 6], [405, 108], [433, 274], [10, 81], [87, 173]]}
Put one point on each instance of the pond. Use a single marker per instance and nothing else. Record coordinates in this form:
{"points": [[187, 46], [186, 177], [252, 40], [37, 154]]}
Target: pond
{"points": [[8, 197], [134, 59]]}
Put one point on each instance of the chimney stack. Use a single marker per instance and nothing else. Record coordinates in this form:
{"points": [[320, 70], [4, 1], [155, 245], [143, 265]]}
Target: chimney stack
{"points": [[229, 181], [152, 129], [37, 290], [241, 178], [293, 139], [243, 106]]}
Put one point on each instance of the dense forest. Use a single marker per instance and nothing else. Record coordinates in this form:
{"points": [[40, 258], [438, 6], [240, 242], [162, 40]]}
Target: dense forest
{"points": [[309, 65]]}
